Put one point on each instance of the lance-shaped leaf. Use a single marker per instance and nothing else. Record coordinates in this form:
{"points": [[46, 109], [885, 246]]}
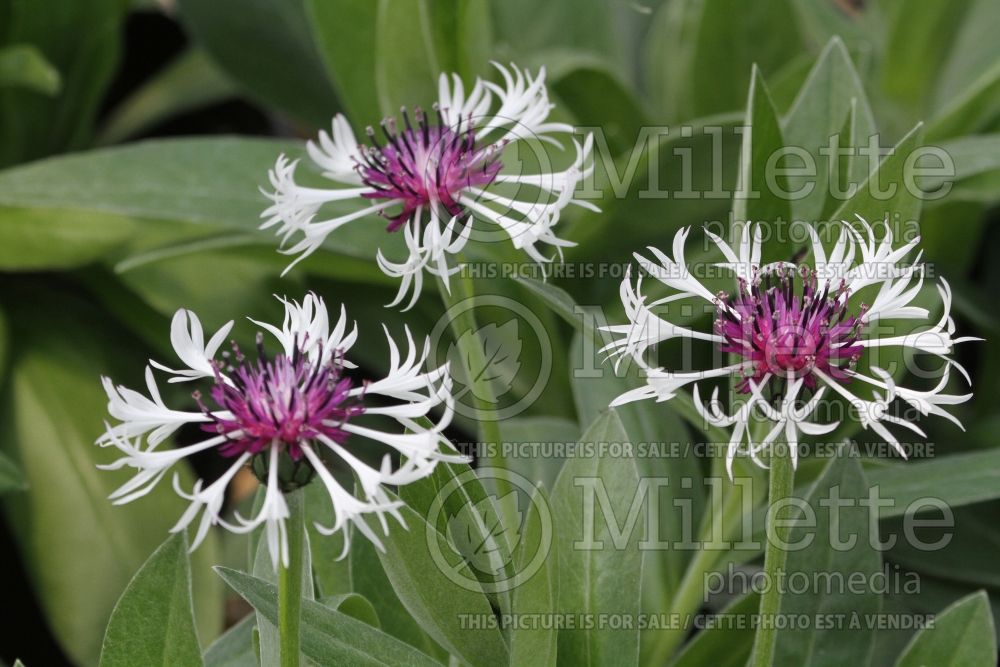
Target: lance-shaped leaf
{"points": [[153, 622], [329, 638], [756, 199], [23, 66], [480, 535], [532, 646], [831, 549], [726, 644], [887, 194], [79, 549], [235, 647], [432, 596], [962, 636], [600, 564], [819, 113], [268, 48]]}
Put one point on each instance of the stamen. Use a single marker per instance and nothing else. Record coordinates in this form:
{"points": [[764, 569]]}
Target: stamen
{"points": [[425, 164], [285, 401], [787, 332]]}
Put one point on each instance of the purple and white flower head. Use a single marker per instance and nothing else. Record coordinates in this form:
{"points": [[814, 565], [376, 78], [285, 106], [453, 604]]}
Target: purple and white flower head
{"points": [[290, 415], [430, 173], [794, 333]]}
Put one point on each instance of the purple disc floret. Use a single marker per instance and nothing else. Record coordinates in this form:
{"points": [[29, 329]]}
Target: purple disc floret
{"points": [[424, 165], [288, 400], [788, 328]]}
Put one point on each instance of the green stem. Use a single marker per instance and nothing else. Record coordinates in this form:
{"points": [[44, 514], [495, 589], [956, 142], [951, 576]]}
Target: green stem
{"points": [[290, 582], [471, 349], [775, 555]]}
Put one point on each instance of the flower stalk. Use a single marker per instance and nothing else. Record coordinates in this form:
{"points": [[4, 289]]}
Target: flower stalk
{"points": [[290, 578], [780, 483]]}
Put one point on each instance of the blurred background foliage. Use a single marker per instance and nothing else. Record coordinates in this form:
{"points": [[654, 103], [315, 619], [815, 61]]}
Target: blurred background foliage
{"points": [[134, 136]]}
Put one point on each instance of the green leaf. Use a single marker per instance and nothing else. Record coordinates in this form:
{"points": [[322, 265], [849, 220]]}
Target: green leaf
{"points": [[23, 66], [234, 648], [4, 343], [535, 597], [600, 564], [668, 52], [903, 206], [190, 81], [80, 550], [820, 21], [964, 552], [472, 21], [433, 598], [661, 426], [694, 42], [542, 469], [355, 606], [406, 64], [345, 34], [755, 198], [477, 531], [972, 156], [329, 638], [369, 579], [268, 48], [79, 40], [153, 622], [459, 37], [933, 596], [591, 89], [824, 103], [562, 304], [684, 177], [962, 636], [919, 38], [823, 561], [58, 238], [206, 181], [11, 477], [970, 111], [956, 479], [669, 458], [470, 518], [970, 64], [726, 644], [525, 27], [212, 184]]}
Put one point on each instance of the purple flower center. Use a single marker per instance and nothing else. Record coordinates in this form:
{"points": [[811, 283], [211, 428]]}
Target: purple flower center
{"points": [[424, 165], [785, 326], [283, 400]]}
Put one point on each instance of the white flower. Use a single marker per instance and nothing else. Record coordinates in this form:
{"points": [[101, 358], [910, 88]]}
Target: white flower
{"points": [[297, 407], [431, 177], [798, 334]]}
